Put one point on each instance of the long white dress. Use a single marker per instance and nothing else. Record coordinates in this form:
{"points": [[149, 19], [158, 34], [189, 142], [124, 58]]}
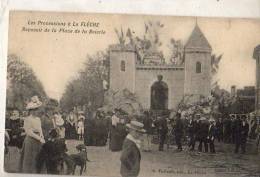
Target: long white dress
{"points": [[32, 144]]}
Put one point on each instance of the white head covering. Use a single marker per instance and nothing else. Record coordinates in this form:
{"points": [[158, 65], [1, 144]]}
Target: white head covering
{"points": [[34, 103], [58, 120]]}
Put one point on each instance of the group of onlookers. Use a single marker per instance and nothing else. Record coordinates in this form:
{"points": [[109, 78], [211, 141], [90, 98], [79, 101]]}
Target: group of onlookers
{"points": [[29, 132], [43, 126], [196, 129]]}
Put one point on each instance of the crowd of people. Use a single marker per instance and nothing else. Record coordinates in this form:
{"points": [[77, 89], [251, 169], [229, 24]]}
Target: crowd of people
{"points": [[43, 126], [197, 129]]}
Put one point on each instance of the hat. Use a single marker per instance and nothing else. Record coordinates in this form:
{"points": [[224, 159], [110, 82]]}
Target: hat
{"points": [[34, 103], [137, 126], [203, 118], [58, 120], [243, 116], [81, 112], [15, 116], [211, 120], [232, 115], [53, 133], [81, 117]]}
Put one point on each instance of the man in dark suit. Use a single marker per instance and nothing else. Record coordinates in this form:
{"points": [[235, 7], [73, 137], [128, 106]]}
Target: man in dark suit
{"points": [[161, 124], [227, 126], [192, 126], [131, 156], [178, 131], [219, 130], [148, 126], [212, 135], [244, 133], [203, 134], [241, 133]]}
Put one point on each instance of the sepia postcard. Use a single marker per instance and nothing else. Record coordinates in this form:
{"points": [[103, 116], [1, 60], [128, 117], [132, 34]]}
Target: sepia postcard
{"points": [[132, 95]]}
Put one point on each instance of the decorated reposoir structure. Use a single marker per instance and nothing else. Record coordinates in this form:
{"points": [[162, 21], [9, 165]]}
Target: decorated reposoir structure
{"points": [[159, 85]]}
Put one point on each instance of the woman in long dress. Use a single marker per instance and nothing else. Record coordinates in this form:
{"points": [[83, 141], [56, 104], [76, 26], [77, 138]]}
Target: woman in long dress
{"points": [[71, 132], [34, 137]]}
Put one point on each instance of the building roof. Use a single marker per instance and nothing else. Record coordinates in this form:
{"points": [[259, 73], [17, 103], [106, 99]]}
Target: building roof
{"points": [[197, 40]]}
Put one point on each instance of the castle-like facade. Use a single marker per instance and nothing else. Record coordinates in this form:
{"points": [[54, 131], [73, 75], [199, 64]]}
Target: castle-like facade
{"points": [[160, 85]]}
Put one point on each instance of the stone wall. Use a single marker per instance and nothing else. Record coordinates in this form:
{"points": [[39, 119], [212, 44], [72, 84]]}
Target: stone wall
{"points": [[197, 83], [174, 79], [120, 80]]}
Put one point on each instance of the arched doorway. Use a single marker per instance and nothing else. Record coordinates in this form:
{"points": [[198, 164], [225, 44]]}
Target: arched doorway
{"points": [[159, 95]]}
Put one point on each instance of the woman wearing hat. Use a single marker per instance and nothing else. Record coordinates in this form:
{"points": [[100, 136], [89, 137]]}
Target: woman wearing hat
{"points": [[71, 132], [131, 156], [34, 137], [16, 131]]}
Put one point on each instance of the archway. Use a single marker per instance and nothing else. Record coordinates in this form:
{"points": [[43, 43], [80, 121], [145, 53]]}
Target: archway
{"points": [[159, 95]]}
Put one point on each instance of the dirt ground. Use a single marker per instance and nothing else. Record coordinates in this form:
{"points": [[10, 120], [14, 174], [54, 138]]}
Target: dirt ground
{"points": [[168, 163], [171, 163]]}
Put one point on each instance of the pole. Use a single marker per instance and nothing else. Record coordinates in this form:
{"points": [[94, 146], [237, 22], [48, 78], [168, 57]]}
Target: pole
{"points": [[256, 56]]}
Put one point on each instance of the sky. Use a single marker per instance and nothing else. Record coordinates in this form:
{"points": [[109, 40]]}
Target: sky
{"points": [[56, 58]]}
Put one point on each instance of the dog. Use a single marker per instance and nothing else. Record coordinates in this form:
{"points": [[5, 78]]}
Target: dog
{"points": [[80, 159]]}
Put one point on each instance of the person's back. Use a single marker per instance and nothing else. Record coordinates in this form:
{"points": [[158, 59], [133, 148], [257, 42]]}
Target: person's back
{"points": [[130, 159], [203, 130], [47, 125], [148, 124], [237, 127], [179, 127]]}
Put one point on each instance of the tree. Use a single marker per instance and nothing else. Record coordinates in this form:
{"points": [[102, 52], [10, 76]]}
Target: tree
{"points": [[22, 83], [88, 87]]}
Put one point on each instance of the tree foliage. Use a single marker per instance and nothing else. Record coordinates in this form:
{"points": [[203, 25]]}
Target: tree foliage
{"points": [[22, 83], [123, 100], [87, 88]]}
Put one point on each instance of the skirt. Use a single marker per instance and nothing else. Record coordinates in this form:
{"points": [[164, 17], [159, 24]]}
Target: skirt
{"points": [[30, 151]]}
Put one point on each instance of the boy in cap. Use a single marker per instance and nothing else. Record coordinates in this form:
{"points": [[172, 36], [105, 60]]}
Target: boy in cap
{"points": [[131, 156]]}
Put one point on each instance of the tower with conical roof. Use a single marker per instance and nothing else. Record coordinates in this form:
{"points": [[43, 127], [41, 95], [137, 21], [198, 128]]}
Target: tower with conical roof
{"points": [[197, 53]]}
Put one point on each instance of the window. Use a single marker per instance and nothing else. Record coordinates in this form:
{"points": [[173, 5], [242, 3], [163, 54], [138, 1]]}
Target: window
{"points": [[198, 67], [122, 65]]}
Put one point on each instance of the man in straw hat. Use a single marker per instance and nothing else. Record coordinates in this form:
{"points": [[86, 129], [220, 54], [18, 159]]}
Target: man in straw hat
{"points": [[131, 156]]}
